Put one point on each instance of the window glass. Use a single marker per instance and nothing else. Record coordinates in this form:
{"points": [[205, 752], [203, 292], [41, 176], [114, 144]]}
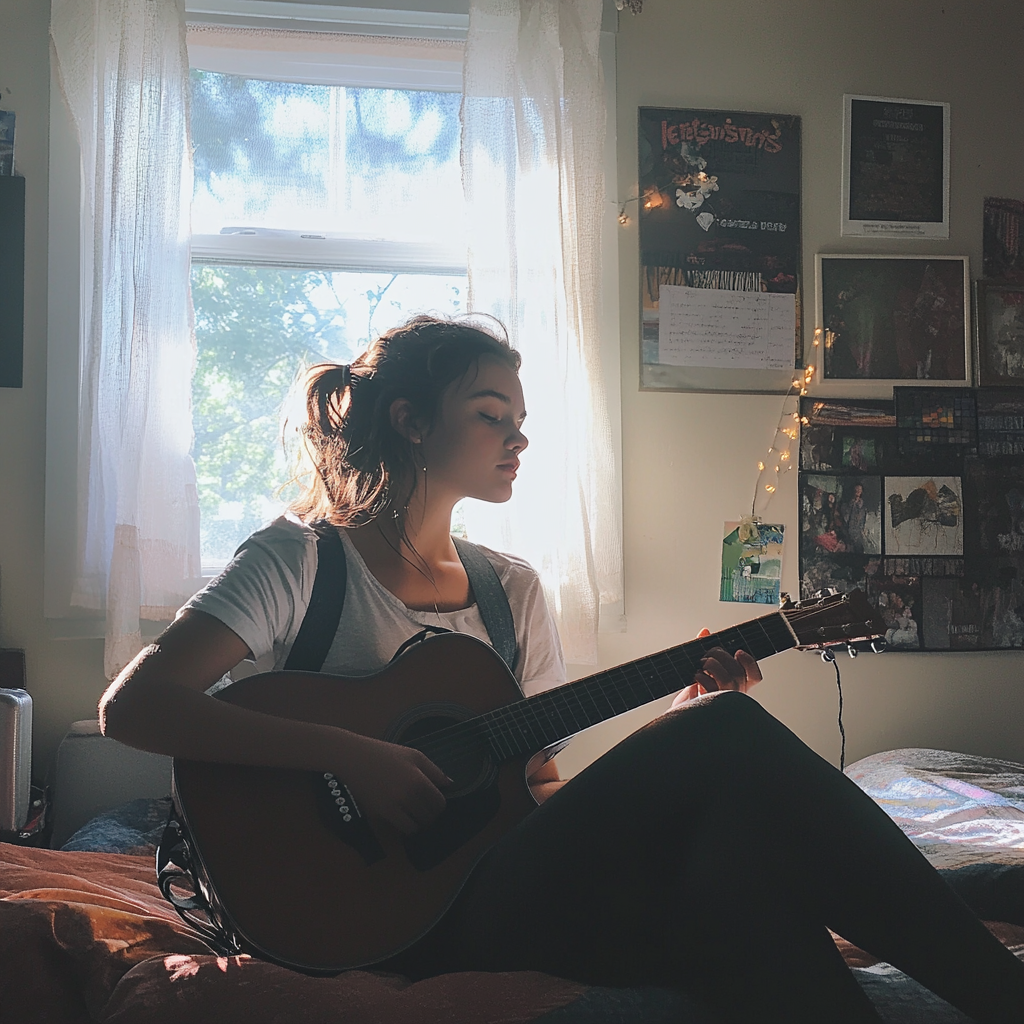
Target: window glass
{"points": [[379, 163], [256, 328]]}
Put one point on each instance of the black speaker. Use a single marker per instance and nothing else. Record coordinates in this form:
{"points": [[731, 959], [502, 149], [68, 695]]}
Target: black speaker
{"points": [[12, 280]]}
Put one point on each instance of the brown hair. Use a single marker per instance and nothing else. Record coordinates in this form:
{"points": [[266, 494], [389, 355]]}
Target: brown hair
{"points": [[361, 463]]}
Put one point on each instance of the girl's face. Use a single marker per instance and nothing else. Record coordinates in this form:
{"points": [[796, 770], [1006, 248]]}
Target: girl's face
{"points": [[473, 449]]}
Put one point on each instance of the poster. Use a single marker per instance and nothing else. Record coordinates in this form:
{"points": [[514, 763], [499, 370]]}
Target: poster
{"points": [[719, 208], [1002, 244], [895, 168], [752, 563]]}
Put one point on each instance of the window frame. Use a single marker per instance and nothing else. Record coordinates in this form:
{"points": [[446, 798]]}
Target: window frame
{"points": [[438, 19]]}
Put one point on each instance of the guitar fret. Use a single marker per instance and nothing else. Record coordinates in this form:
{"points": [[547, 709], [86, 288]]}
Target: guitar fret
{"points": [[536, 722]]}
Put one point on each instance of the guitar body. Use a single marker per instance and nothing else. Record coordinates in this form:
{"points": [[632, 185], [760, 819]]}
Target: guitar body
{"points": [[305, 887]]}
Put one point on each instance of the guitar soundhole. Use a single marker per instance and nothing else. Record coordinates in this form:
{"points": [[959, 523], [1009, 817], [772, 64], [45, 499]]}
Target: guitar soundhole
{"points": [[465, 759]]}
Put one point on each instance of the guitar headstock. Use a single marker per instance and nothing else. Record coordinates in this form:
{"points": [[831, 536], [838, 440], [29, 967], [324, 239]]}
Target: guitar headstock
{"points": [[835, 620]]}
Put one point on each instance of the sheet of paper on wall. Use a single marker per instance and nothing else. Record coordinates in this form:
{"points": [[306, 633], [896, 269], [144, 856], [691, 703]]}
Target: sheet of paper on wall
{"points": [[751, 562], [726, 329]]}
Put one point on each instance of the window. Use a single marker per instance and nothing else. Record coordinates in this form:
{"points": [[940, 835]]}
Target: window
{"points": [[324, 212]]}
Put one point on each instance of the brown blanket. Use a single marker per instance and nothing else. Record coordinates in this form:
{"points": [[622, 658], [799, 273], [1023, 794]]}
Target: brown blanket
{"points": [[88, 937]]}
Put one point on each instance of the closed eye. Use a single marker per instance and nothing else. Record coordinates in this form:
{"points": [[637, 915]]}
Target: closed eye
{"points": [[490, 419]]}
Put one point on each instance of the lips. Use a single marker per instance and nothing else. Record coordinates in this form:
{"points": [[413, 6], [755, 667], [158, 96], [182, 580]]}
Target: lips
{"points": [[512, 466]]}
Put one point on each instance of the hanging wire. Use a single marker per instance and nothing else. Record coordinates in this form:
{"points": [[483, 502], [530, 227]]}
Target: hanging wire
{"points": [[829, 656]]}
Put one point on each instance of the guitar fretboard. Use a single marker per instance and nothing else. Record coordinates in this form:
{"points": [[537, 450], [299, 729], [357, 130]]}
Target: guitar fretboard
{"points": [[529, 725]]}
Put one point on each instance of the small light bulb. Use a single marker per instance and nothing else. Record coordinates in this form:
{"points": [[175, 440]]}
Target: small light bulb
{"points": [[770, 488], [784, 456], [760, 466]]}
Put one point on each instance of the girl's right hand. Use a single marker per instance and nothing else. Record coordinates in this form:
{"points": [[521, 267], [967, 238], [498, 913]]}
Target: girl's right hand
{"points": [[399, 784]]}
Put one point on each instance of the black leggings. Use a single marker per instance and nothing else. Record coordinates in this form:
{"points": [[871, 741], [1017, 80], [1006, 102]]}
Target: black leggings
{"points": [[709, 852]]}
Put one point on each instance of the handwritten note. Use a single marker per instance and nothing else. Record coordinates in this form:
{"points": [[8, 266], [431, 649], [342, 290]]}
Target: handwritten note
{"points": [[734, 330]]}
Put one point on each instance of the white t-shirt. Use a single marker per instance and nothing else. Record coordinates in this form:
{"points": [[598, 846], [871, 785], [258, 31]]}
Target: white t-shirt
{"points": [[263, 593]]}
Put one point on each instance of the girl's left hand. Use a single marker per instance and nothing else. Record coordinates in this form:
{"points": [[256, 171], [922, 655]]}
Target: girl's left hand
{"points": [[721, 671]]}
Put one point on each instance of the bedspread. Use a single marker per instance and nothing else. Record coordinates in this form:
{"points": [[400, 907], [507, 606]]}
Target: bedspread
{"points": [[88, 937]]}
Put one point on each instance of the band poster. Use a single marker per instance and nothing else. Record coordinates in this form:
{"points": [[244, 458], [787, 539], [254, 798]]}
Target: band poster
{"points": [[719, 208], [895, 168]]}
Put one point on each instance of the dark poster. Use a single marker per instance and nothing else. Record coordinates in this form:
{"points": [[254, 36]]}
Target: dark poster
{"points": [[1002, 248], [896, 168]]}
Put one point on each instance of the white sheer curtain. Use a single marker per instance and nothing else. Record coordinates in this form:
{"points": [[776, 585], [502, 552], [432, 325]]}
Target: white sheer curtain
{"points": [[124, 73], [533, 141]]}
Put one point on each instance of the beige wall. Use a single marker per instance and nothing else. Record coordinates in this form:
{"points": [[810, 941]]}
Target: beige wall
{"points": [[64, 677], [688, 459]]}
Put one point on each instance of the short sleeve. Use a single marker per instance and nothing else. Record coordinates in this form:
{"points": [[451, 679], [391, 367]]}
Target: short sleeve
{"points": [[263, 592]]}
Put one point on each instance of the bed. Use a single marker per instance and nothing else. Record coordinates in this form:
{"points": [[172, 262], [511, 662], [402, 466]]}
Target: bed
{"points": [[86, 936]]}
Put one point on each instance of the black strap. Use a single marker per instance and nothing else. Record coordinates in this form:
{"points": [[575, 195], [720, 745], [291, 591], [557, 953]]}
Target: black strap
{"points": [[491, 599], [320, 624]]}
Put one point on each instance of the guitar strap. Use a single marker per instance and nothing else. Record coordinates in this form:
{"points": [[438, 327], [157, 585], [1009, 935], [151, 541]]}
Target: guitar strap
{"points": [[320, 623]]}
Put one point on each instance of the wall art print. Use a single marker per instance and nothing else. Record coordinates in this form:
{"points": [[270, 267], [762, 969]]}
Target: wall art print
{"points": [[919, 502], [1000, 333], [895, 168], [719, 208], [1003, 240], [898, 319]]}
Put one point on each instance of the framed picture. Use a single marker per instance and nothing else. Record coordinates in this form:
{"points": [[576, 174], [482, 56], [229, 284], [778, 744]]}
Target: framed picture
{"points": [[890, 320], [1000, 335], [895, 168], [720, 257]]}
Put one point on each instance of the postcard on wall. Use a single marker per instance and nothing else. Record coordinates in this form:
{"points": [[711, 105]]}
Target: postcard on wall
{"points": [[752, 563], [719, 209], [902, 319], [895, 168]]}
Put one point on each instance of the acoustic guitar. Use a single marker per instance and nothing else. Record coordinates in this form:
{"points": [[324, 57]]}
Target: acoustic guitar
{"points": [[293, 871]]}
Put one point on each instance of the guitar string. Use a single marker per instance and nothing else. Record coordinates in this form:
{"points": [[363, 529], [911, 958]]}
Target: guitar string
{"points": [[522, 718], [502, 725], [516, 718]]}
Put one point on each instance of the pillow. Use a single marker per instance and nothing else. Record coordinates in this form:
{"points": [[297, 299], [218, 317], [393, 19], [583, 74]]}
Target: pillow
{"points": [[134, 827]]}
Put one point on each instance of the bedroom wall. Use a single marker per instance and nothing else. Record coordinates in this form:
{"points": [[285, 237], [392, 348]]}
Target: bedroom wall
{"points": [[688, 459], [64, 677]]}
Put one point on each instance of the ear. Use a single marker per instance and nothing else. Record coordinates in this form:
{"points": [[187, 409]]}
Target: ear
{"points": [[404, 420]]}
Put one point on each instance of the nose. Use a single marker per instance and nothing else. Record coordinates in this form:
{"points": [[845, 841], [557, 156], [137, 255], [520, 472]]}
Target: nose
{"points": [[517, 441]]}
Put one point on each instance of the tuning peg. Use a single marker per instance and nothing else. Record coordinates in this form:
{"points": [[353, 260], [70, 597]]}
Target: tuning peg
{"points": [[879, 645], [827, 656], [852, 651]]}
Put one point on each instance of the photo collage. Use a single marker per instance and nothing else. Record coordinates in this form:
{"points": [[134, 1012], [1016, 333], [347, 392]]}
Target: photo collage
{"points": [[919, 502]]}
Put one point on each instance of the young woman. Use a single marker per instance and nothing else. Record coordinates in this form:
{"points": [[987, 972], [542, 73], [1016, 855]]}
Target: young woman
{"points": [[709, 851]]}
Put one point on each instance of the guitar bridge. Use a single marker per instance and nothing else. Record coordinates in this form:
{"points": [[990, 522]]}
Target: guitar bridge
{"points": [[341, 815]]}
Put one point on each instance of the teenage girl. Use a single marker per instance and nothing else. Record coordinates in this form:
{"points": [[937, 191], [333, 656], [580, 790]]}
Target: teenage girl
{"points": [[710, 851]]}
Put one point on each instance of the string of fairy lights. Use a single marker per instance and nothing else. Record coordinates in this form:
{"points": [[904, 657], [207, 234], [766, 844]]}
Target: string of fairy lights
{"points": [[779, 460]]}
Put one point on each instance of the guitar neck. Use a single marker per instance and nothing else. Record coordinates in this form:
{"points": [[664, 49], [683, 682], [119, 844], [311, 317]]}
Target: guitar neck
{"points": [[534, 723]]}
